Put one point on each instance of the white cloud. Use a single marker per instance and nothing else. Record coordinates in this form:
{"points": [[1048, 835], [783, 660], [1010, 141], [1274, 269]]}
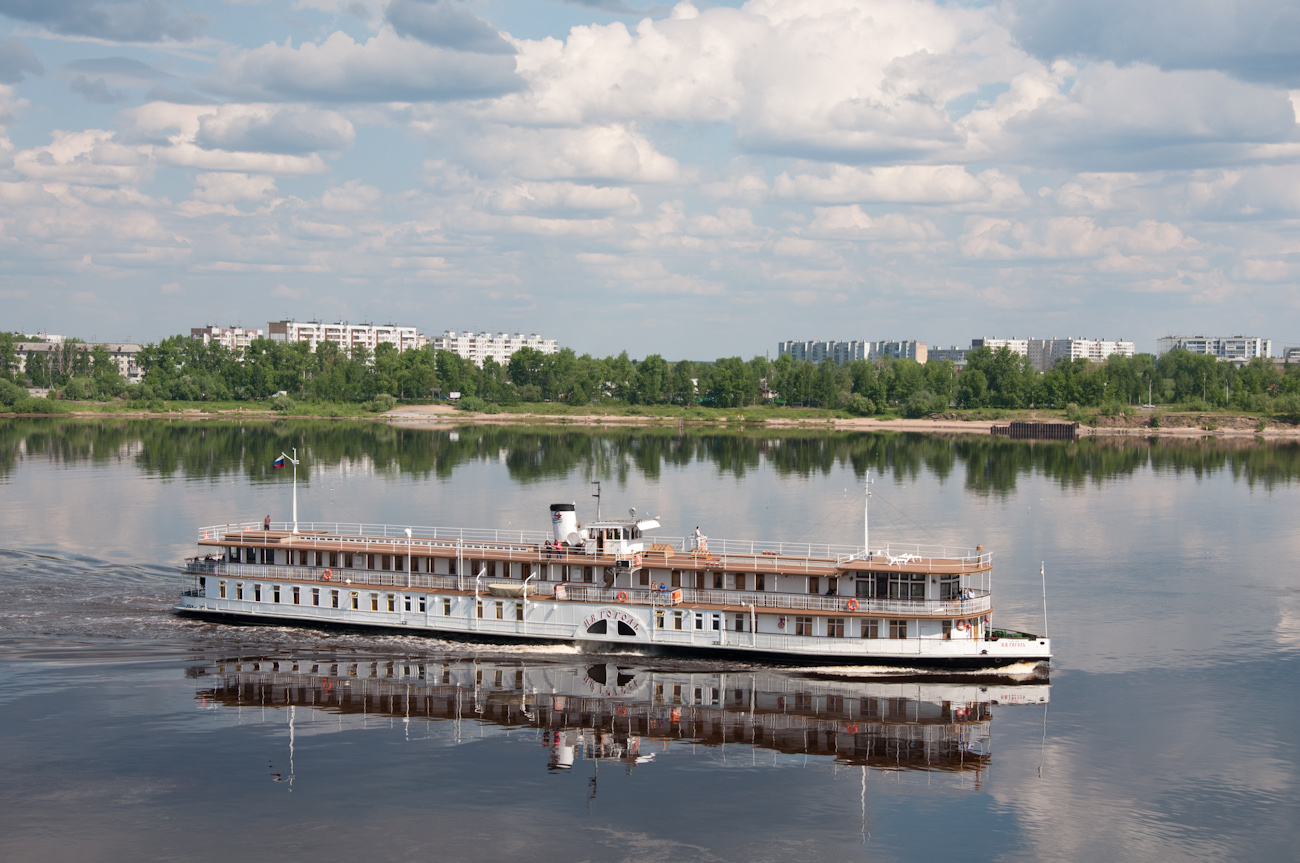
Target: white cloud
{"points": [[570, 198], [232, 188], [613, 152], [913, 184], [274, 129], [385, 68], [90, 157], [1068, 237]]}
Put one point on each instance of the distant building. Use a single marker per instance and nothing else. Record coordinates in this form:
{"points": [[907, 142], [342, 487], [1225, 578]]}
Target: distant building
{"points": [[1044, 353], [122, 354], [1291, 354], [1016, 346], [1236, 349], [953, 354], [843, 352], [910, 350], [477, 347], [817, 352], [231, 338], [345, 335]]}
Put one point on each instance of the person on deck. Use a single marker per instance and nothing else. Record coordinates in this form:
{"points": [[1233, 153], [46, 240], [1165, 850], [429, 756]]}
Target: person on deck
{"points": [[266, 523]]}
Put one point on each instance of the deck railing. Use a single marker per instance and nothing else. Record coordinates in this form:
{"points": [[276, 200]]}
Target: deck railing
{"points": [[977, 601], [748, 555]]}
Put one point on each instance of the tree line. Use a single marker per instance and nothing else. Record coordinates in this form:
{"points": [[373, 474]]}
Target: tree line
{"points": [[183, 369]]}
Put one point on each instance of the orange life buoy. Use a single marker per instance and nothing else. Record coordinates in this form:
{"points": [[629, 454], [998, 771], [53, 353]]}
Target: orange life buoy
{"points": [[851, 728], [327, 575], [622, 596], [328, 686], [961, 626], [852, 605], [987, 620]]}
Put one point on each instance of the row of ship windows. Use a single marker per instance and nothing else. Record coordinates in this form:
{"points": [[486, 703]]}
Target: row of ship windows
{"points": [[891, 585], [681, 620]]}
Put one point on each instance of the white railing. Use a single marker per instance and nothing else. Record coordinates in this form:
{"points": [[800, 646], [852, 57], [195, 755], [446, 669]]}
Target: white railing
{"points": [[979, 601], [724, 553], [346, 577]]}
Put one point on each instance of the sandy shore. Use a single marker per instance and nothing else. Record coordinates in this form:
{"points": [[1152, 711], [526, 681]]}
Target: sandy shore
{"points": [[1173, 426]]}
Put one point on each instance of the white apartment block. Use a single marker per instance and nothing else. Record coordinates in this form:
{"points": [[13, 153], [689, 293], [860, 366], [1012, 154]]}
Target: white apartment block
{"points": [[123, 355], [230, 338], [345, 335], [1016, 346], [1237, 349], [1044, 353], [904, 350], [817, 352], [477, 347]]}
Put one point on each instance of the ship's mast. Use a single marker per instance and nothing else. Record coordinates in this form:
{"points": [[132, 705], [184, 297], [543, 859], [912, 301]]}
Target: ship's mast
{"points": [[866, 520], [293, 459]]}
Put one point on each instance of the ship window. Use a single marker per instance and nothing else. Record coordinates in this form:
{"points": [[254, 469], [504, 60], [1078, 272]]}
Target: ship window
{"points": [[446, 607], [386, 562], [643, 578], [392, 603], [302, 558], [871, 629], [598, 628], [320, 558], [699, 581], [478, 609], [759, 581], [501, 610], [519, 611], [740, 623], [699, 620], [624, 629], [717, 622], [315, 596], [347, 560], [356, 600], [717, 581], [803, 626], [676, 578], [740, 581], [399, 563], [334, 559], [814, 584], [949, 586], [451, 566], [421, 606], [296, 597], [589, 574], [659, 619], [903, 585], [835, 627], [374, 602], [221, 588], [677, 619], [334, 598], [947, 629], [275, 593], [406, 603], [898, 629], [239, 590]]}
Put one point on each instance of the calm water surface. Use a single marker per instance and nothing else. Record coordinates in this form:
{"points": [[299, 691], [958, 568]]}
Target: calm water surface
{"points": [[1167, 731]]}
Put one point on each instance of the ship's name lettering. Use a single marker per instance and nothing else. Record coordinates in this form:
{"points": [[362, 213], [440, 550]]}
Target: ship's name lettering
{"points": [[612, 614]]}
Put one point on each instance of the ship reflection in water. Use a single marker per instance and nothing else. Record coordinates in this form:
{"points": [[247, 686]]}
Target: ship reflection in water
{"points": [[630, 713]]}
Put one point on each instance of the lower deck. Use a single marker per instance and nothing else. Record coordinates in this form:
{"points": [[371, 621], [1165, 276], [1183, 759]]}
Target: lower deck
{"points": [[837, 629]]}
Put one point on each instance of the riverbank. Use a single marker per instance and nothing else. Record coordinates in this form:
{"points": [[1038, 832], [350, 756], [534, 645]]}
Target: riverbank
{"points": [[1140, 424]]}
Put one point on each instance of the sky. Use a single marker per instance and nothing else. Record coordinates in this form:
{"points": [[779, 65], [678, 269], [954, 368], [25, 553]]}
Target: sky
{"points": [[692, 180]]}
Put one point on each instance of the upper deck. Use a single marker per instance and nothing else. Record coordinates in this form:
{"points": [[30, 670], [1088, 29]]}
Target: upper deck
{"points": [[677, 552]]}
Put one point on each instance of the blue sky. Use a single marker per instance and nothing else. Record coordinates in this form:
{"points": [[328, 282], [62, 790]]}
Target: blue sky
{"points": [[690, 180]]}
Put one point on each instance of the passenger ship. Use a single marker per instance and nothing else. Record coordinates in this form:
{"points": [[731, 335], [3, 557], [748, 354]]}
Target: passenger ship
{"points": [[610, 582]]}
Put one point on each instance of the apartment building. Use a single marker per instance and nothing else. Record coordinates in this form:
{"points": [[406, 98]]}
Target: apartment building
{"points": [[846, 351], [230, 338], [122, 354], [477, 347], [1236, 349], [1044, 353], [345, 335]]}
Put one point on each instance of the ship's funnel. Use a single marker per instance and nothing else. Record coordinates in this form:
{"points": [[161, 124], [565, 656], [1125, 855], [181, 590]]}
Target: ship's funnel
{"points": [[564, 522]]}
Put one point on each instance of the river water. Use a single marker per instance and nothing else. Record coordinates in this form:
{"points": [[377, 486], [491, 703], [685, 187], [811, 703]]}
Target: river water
{"points": [[1167, 730]]}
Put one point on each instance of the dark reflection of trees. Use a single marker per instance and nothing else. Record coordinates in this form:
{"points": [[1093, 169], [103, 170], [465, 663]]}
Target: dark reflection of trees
{"points": [[212, 449]]}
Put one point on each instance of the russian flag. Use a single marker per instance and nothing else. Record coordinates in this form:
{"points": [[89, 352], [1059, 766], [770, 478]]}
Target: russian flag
{"points": [[279, 462]]}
